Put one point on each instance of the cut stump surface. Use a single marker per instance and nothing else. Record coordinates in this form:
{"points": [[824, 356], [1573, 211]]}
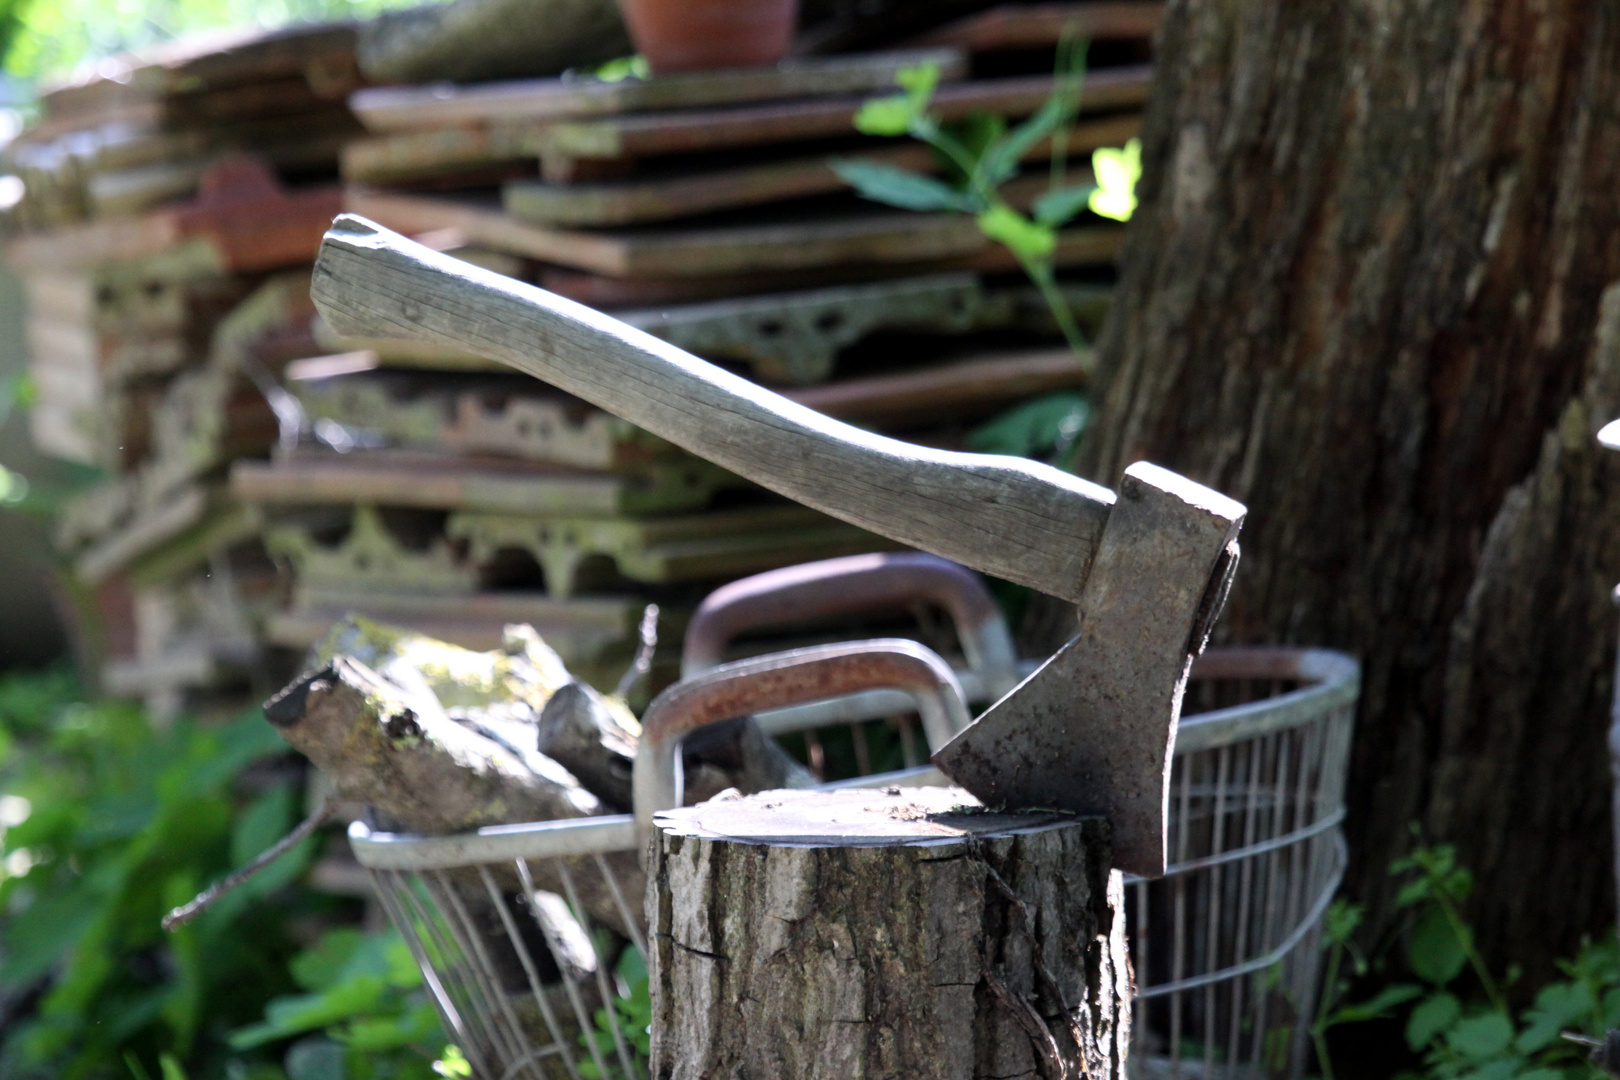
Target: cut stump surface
{"points": [[884, 933]]}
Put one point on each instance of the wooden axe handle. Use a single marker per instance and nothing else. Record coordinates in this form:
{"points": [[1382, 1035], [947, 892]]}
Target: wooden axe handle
{"points": [[1006, 516]]}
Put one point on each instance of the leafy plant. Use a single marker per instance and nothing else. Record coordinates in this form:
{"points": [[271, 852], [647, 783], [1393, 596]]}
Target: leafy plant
{"points": [[48, 39], [108, 824], [634, 1014], [980, 154], [1046, 427], [1462, 1036], [364, 1012]]}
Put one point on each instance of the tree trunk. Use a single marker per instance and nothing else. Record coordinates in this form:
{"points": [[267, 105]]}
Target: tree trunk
{"points": [[882, 934], [1373, 291]]}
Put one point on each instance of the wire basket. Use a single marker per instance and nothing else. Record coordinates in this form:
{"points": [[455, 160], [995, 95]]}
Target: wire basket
{"points": [[518, 928], [1226, 946]]}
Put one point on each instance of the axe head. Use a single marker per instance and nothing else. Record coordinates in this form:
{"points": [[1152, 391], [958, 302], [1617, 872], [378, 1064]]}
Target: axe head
{"points": [[1094, 728]]}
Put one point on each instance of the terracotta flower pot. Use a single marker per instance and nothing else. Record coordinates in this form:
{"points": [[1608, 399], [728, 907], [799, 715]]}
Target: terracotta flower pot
{"points": [[688, 35]]}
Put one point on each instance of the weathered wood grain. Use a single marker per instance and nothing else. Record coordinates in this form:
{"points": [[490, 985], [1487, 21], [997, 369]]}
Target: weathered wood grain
{"points": [[884, 934], [681, 193], [408, 108], [1005, 516], [1371, 291], [650, 134], [858, 234], [446, 482], [1026, 26]]}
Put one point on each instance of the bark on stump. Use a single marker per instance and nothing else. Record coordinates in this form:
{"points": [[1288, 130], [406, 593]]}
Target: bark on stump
{"points": [[895, 933]]}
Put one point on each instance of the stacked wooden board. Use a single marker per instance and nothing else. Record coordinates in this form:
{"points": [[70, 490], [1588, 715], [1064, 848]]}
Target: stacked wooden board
{"points": [[713, 185], [265, 477], [170, 206]]}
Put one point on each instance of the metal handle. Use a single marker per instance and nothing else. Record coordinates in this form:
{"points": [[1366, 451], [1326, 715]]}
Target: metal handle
{"points": [[859, 583], [778, 680]]}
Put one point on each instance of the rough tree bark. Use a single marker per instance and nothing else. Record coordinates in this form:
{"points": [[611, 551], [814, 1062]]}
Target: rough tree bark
{"points": [[1373, 291], [884, 934]]}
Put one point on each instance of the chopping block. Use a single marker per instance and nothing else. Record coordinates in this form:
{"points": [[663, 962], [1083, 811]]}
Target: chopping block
{"points": [[878, 931], [901, 932]]}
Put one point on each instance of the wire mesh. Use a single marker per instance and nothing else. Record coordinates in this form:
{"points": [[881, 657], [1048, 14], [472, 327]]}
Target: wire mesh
{"points": [[519, 952], [518, 929], [1226, 945]]}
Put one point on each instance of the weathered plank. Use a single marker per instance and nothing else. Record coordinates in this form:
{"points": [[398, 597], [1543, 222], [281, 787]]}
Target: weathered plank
{"points": [[408, 108], [790, 242], [415, 155], [1029, 26], [450, 482], [963, 387], [690, 547], [1084, 245], [660, 196], [649, 134]]}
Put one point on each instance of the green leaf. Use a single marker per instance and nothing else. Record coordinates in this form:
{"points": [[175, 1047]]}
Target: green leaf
{"points": [[1413, 892], [315, 1059], [1058, 207], [265, 821], [1434, 951], [372, 1035], [1558, 1007], [977, 133], [1031, 429], [885, 116], [311, 1012], [625, 67], [898, 187], [171, 1068], [1378, 1005], [452, 1063], [1117, 172], [1002, 160], [1431, 1016], [1503, 1068], [1543, 1073], [896, 114], [918, 81], [1482, 1036], [1023, 237], [320, 967]]}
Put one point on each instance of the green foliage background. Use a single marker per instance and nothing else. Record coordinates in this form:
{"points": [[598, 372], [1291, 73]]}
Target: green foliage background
{"points": [[46, 40]]}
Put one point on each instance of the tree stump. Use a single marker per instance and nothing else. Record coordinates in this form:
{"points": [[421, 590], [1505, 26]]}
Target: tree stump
{"points": [[893, 933]]}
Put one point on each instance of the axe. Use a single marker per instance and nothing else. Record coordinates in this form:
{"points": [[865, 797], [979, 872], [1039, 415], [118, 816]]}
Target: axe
{"points": [[1092, 730]]}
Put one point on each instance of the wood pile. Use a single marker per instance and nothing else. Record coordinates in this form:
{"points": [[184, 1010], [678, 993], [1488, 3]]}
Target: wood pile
{"points": [[171, 206], [265, 477]]}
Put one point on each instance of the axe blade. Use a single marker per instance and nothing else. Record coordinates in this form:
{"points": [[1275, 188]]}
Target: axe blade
{"points": [[1094, 728]]}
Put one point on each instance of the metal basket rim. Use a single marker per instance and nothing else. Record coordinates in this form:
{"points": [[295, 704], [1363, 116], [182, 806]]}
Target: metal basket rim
{"points": [[1336, 677]]}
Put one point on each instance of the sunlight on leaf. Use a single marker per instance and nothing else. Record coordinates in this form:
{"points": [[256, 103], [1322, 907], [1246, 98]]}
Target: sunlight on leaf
{"points": [[885, 116], [625, 67], [1027, 239], [918, 81], [453, 1063], [1117, 172]]}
